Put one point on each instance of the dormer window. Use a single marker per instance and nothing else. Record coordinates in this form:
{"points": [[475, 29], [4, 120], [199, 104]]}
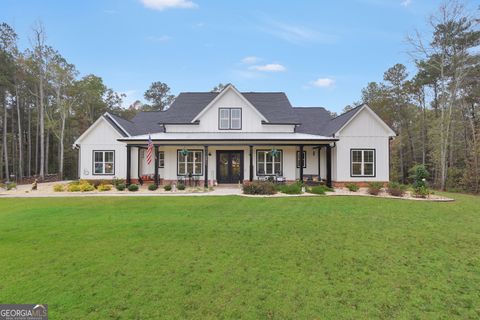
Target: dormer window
{"points": [[230, 118]]}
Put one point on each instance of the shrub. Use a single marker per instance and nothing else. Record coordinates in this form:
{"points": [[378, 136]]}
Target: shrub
{"points": [[181, 186], [259, 187], [374, 188], [421, 192], [133, 187], [320, 189], [3, 186], [120, 186], [11, 185], [419, 175], [293, 188], [85, 186], [167, 187], [104, 187], [116, 182], [75, 187], [396, 189], [152, 187], [58, 188], [352, 187]]}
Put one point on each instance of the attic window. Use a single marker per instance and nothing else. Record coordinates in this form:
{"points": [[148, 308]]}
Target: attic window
{"points": [[230, 118]]}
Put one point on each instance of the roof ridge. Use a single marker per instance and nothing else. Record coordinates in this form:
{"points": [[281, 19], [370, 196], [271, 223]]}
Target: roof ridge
{"points": [[199, 92], [360, 105], [116, 115]]}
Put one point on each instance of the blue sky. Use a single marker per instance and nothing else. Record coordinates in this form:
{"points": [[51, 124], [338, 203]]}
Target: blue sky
{"points": [[321, 53]]}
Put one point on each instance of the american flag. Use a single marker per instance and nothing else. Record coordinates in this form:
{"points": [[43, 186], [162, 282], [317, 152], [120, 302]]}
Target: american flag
{"points": [[149, 150]]}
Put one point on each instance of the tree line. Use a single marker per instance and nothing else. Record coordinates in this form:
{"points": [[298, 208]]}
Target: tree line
{"points": [[46, 106], [435, 110]]}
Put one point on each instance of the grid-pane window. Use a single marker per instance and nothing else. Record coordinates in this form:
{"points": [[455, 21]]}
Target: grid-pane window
{"points": [[362, 163], [190, 163], [230, 119], [269, 164], [103, 162], [235, 119], [224, 118], [304, 159], [161, 159]]}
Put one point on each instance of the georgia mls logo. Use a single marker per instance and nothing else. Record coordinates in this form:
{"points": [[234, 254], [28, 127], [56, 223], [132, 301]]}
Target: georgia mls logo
{"points": [[23, 312]]}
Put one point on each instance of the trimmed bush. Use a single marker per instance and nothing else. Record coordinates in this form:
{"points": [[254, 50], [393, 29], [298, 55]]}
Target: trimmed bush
{"points": [[320, 189], [167, 187], [396, 189], [374, 188], [104, 187], [120, 186], [85, 187], [352, 187], [293, 188], [181, 186], [75, 187], [421, 192], [58, 188], [133, 187], [82, 185], [259, 187], [116, 182], [152, 187]]}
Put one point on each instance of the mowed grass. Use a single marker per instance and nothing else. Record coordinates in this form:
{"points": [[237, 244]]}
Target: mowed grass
{"points": [[242, 258]]}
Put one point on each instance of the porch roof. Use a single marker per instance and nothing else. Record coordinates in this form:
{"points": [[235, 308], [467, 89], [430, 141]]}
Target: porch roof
{"points": [[228, 136]]}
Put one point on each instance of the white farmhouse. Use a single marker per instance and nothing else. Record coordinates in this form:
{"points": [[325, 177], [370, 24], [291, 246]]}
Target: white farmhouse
{"points": [[231, 137]]}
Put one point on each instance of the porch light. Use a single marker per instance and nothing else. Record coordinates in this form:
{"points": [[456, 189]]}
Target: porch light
{"points": [[184, 152]]}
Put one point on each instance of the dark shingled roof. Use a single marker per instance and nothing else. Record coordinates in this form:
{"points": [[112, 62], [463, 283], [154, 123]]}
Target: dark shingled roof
{"points": [[337, 123], [312, 120], [187, 105], [274, 106]]}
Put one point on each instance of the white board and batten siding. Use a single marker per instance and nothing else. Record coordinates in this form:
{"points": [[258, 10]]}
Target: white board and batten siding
{"points": [[102, 137], [365, 131]]}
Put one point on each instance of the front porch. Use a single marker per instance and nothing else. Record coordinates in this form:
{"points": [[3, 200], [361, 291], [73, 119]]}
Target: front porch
{"points": [[212, 162]]}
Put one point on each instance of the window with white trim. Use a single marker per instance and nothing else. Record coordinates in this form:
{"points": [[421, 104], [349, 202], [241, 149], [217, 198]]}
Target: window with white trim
{"points": [[103, 162], [230, 118], [161, 159], [362, 162], [267, 164], [190, 163]]}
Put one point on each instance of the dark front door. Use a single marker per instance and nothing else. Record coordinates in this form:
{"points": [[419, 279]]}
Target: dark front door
{"points": [[229, 166]]}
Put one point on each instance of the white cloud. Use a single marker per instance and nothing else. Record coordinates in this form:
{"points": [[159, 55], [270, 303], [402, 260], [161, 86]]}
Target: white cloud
{"points": [[169, 4], [162, 38], [270, 67], [250, 60], [406, 3], [323, 82]]}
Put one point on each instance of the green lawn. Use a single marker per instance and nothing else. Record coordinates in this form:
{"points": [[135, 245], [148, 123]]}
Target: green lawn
{"points": [[236, 257]]}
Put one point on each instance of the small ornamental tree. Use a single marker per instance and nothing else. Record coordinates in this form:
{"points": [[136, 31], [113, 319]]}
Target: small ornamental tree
{"points": [[419, 175]]}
